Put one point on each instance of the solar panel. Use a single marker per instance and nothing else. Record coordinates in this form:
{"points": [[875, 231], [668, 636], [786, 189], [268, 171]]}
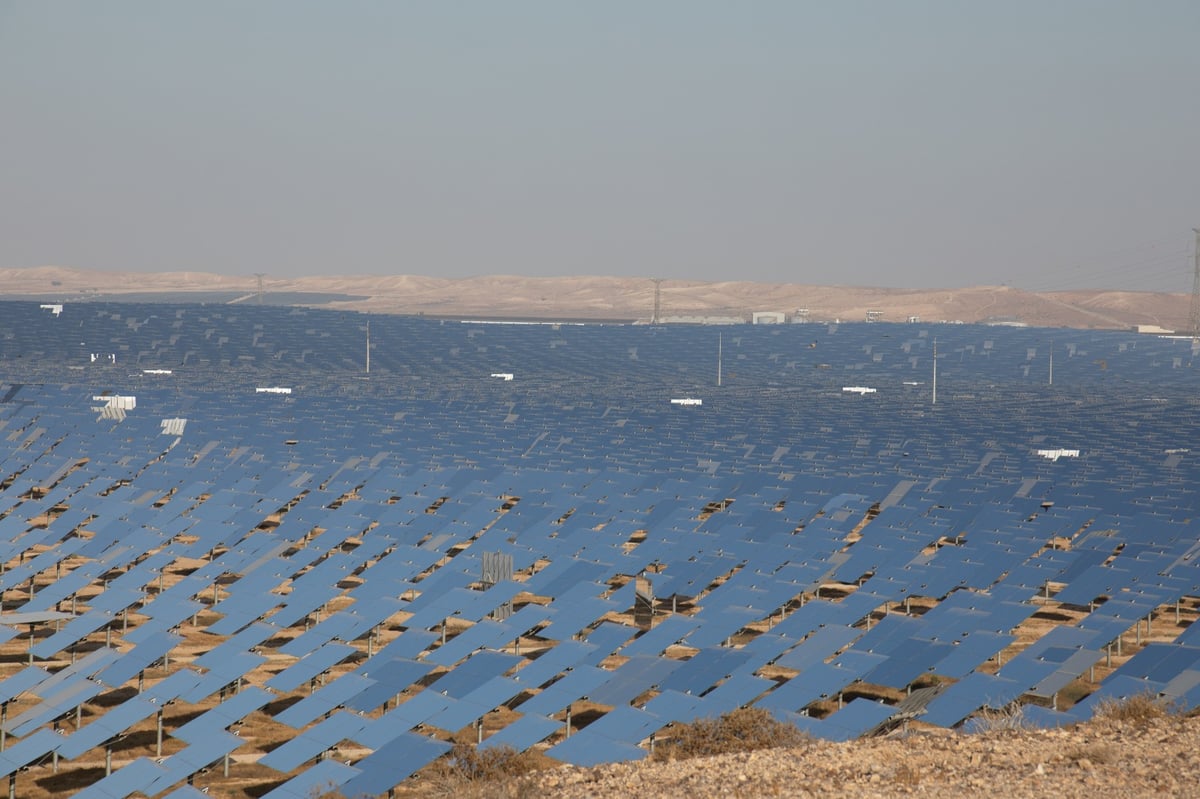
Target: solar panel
{"points": [[193, 758], [637, 675], [575, 684], [818, 647], [594, 750], [232, 711], [656, 640], [132, 778], [311, 665], [473, 672], [393, 763], [324, 776], [312, 742], [523, 733], [426, 467], [855, 719], [324, 700], [28, 750], [108, 725]]}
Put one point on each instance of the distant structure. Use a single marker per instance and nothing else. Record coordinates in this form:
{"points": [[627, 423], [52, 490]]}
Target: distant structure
{"points": [[703, 320], [113, 406], [55, 308], [874, 315], [801, 316], [657, 300], [260, 276], [768, 317]]}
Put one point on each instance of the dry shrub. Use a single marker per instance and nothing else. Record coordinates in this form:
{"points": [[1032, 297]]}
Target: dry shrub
{"points": [[1009, 717], [907, 774], [1136, 709], [741, 730], [1096, 754], [467, 772]]}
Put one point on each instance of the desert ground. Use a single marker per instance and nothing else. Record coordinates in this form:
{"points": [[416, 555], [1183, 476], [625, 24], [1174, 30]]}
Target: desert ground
{"points": [[632, 298]]}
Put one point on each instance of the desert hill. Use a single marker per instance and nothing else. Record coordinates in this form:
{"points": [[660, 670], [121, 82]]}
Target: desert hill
{"points": [[593, 297]]}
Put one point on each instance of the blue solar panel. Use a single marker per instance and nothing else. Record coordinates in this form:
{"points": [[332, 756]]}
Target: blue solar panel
{"points": [[550, 663], [28, 750], [394, 762], [523, 733], [856, 718], [109, 725], [633, 678], [818, 647], [324, 776], [576, 684], [413, 711], [473, 672], [313, 741], [594, 750], [136, 776], [311, 665], [430, 463], [324, 700]]}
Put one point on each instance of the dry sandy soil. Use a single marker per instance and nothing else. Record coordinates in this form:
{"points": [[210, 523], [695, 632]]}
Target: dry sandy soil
{"points": [[633, 298]]}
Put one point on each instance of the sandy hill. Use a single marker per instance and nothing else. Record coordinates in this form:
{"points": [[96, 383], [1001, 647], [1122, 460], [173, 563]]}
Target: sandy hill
{"points": [[593, 297]]}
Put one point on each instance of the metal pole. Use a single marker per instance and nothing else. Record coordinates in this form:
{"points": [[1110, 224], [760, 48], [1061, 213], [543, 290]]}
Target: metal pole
{"points": [[934, 372], [158, 744]]}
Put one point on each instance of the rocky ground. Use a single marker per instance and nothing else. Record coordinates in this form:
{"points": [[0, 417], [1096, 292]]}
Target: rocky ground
{"points": [[1101, 760]]}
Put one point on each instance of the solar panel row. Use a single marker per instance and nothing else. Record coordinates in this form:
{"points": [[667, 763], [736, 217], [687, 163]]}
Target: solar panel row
{"points": [[334, 534]]}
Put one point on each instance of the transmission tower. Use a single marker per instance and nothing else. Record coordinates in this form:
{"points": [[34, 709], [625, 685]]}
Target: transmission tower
{"points": [[657, 299], [1195, 315]]}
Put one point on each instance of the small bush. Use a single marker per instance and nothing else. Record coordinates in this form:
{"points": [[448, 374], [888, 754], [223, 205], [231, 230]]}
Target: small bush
{"points": [[741, 730], [1136, 709], [1094, 754], [467, 772], [907, 774], [1009, 717]]}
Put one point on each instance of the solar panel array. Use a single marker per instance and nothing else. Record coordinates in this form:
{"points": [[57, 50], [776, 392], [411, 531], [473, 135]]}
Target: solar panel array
{"points": [[309, 564]]}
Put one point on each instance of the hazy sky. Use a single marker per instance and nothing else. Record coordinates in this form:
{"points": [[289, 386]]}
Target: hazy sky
{"points": [[1043, 144]]}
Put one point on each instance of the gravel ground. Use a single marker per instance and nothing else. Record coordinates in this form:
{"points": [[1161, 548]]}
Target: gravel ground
{"points": [[1106, 760]]}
